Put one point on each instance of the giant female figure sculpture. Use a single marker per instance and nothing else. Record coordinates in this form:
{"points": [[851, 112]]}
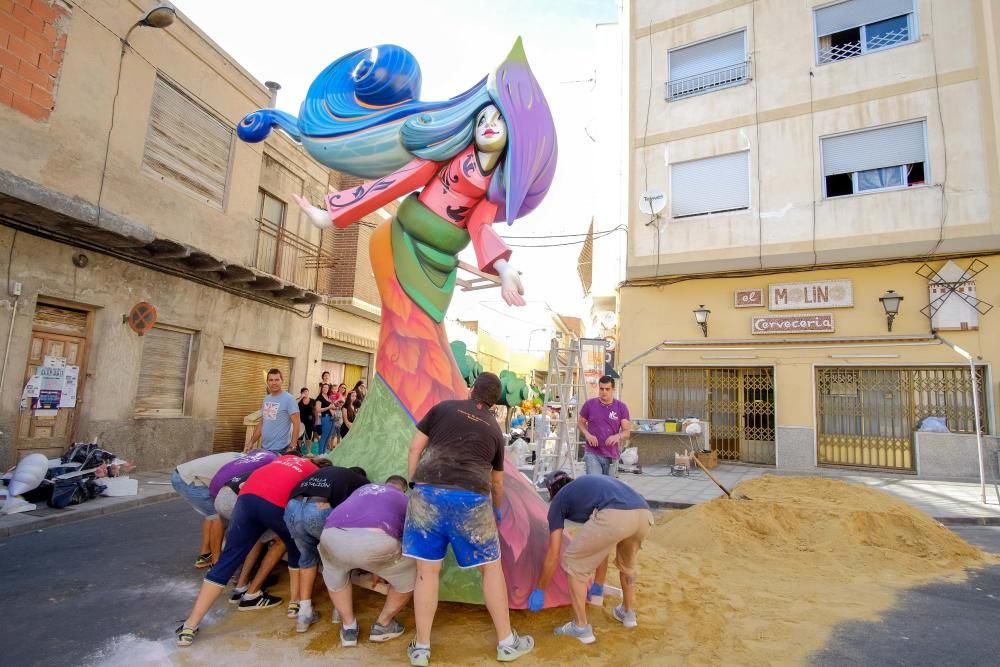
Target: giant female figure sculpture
{"points": [[484, 156]]}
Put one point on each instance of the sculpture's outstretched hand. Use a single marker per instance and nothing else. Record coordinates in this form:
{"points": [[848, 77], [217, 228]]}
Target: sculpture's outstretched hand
{"points": [[316, 215], [511, 288]]}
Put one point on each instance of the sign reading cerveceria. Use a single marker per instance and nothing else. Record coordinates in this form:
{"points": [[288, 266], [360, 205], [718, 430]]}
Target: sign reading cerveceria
{"points": [[811, 295], [804, 323]]}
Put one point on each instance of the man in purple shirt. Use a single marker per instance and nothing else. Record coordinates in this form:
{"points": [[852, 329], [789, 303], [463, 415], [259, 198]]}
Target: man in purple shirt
{"points": [[365, 532], [604, 422]]}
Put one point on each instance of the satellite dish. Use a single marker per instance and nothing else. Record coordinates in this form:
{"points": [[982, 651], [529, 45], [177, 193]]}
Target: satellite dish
{"points": [[652, 202]]}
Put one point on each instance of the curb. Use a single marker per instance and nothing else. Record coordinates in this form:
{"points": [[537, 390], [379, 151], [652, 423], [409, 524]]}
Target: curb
{"points": [[41, 523]]}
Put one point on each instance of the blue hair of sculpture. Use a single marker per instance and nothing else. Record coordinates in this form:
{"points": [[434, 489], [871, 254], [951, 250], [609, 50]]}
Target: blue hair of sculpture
{"points": [[362, 115]]}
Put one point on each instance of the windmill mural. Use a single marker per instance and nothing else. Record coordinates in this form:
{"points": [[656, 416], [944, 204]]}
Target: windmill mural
{"points": [[952, 302]]}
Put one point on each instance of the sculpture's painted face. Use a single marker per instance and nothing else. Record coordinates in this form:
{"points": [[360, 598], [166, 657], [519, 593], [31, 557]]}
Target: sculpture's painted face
{"points": [[491, 130]]}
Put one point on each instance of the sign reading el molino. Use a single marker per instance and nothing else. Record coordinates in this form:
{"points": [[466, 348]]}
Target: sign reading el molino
{"points": [[781, 324], [811, 295]]}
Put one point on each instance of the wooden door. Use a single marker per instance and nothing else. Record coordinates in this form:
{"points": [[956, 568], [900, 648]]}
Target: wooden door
{"points": [[60, 333]]}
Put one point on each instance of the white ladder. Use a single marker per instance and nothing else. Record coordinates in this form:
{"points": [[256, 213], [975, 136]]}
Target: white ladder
{"points": [[565, 391]]}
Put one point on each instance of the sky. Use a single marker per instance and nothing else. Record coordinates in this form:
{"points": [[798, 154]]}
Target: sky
{"points": [[457, 42]]}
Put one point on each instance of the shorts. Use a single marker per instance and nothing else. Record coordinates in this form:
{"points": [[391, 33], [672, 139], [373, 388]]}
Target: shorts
{"points": [[224, 504], [437, 517], [196, 494], [372, 550], [305, 521], [622, 530]]}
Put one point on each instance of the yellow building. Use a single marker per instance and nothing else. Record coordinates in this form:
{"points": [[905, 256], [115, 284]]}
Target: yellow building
{"points": [[122, 181], [790, 163]]}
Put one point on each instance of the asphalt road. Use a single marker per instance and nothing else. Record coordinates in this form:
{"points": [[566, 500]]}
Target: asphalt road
{"points": [[939, 624], [69, 590], [81, 593]]}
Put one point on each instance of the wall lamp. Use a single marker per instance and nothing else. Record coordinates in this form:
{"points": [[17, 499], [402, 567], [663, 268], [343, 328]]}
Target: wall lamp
{"points": [[701, 317], [890, 302], [160, 16]]}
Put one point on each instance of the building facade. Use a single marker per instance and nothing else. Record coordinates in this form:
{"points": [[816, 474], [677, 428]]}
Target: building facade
{"points": [[122, 182], [791, 162]]}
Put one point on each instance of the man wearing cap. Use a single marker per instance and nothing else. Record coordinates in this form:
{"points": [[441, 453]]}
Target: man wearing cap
{"points": [[613, 517]]}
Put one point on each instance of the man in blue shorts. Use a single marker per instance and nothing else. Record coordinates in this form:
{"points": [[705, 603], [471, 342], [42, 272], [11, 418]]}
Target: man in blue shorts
{"points": [[456, 464]]}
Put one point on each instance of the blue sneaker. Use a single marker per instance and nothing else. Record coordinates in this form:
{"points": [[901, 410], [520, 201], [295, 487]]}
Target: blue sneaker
{"points": [[584, 634]]}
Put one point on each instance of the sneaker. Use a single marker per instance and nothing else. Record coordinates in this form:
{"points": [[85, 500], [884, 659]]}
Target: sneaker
{"points": [[522, 644], [203, 561], [262, 601], [627, 618], [584, 634], [383, 633], [236, 596], [302, 622], [185, 635], [349, 636], [293, 609], [335, 619], [418, 655]]}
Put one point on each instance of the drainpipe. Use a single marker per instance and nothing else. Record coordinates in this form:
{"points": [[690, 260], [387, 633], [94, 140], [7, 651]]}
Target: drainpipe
{"points": [[10, 334], [975, 406], [272, 99]]}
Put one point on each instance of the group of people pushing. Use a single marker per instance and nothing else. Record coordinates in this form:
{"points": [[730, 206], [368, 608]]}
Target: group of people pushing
{"points": [[400, 531]]}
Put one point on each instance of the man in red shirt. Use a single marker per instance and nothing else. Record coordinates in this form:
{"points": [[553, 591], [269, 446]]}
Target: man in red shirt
{"points": [[259, 507]]}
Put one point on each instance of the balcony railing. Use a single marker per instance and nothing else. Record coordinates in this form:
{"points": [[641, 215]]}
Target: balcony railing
{"points": [[724, 77], [288, 256], [854, 49]]}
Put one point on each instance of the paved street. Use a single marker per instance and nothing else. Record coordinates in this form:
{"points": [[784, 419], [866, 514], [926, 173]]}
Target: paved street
{"points": [[108, 591]]}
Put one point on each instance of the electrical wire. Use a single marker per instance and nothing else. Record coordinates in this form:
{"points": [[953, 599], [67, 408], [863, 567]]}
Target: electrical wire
{"points": [[757, 148], [944, 143]]}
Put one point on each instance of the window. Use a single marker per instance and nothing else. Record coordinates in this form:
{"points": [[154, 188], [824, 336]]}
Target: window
{"points": [[271, 216], [707, 66], [187, 146], [884, 158], [856, 27], [163, 374], [713, 185]]}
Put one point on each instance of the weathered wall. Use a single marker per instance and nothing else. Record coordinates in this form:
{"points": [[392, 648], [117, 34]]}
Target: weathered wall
{"points": [[112, 286]]}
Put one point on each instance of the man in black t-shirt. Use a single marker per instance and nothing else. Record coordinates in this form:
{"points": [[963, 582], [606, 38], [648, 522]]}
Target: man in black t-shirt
{"points": [[305, 515], [456, 464]]}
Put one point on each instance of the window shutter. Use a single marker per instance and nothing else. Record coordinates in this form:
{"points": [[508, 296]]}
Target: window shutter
{"points": [[707, 56], [720, 183], [163, 374], [186, 145], [872, 149], [855, 13]]}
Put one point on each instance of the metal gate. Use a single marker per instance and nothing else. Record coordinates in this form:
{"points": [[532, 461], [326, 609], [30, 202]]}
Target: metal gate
{"points": [[738, 403], [242, 387], [866, 416]]}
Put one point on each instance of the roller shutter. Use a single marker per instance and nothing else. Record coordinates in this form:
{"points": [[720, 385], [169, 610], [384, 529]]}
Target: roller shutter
{"points": [[241, 389], [874, 149], [166, 354]]}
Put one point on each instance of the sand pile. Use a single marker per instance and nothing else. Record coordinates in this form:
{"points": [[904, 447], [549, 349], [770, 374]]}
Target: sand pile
{"points": [[729, 582]]}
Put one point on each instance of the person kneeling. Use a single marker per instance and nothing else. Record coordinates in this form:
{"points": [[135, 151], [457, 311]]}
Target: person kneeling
{"points": [[365, 532], [613, 516]]}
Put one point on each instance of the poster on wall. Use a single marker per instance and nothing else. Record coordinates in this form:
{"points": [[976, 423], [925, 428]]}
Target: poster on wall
{"points": [[592, 359], [70, 380], [51, 380]]}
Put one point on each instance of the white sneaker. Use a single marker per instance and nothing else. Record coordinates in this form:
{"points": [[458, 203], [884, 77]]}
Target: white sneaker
{"points": [[626, 618], [302, 622]]}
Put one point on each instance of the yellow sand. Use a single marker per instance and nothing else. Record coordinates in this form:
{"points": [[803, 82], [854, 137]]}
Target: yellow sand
{"points": [[729, 582]]}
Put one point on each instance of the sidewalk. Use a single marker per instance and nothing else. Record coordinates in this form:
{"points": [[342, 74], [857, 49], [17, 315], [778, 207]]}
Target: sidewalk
{"points": [[153, 487], [950, 502]]}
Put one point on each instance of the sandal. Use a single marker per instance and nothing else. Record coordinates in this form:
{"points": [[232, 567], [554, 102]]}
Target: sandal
{"points": [[186, 635], [203, 561], [293, 609]]}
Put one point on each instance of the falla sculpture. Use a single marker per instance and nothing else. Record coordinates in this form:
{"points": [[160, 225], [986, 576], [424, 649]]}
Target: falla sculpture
{"points": [[486, 155]]}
